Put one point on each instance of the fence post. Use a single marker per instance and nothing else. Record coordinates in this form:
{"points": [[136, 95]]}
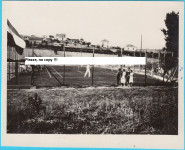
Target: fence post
{"points": [[164, 64], [134, 56], [152, 70], [145, 66], [93, 70], [64, 67], [159, 55], [16, 68], [140, 67]]}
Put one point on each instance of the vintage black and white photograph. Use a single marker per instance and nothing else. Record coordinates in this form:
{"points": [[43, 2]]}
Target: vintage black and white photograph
{"points": [[93, 99]]}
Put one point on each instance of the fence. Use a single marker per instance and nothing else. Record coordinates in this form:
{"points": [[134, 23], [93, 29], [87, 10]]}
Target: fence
{"points": [[74, 76], [15, 76]]}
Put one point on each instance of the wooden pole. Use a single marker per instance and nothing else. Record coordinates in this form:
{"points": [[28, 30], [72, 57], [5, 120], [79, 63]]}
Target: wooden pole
{"points": [[121, 56], [93, 70], [134, 56], [140, 56], [159, 55], [164, 64], [141, 49], [145, 66], [64, 67], [32, 52], [141, 42], [152, 63], [16, 67], [9, 63]]}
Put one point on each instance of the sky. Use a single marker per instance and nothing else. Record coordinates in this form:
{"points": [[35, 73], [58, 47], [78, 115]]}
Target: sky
{"points": [[121, 23]]}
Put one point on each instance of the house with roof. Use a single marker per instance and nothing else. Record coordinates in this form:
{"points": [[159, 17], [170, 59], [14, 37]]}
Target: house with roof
{"points": [[130, 47], [114, 49], [33, 40], [73, 42], [61, 37], [105, 43]]}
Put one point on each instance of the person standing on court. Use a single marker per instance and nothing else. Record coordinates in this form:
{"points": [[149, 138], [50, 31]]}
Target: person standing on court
{"points": [[88, 71], [131, 81], [32, 74], [119, 74], [123, 78], [127, 77]]}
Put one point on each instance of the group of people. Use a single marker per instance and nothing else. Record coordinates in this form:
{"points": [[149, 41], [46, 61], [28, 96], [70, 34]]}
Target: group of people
{"points": [[125, 77]]}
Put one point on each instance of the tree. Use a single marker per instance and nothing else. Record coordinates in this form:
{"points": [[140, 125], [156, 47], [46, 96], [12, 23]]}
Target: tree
{"points": [[88, 44], [171, 34]]}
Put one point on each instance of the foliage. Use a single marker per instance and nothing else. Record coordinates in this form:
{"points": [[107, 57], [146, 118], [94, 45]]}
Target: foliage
{"points": [[151, 110], [171, 34]]}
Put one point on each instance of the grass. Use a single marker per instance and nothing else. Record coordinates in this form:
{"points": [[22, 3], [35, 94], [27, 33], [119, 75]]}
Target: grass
{"points": [[110, 110]]}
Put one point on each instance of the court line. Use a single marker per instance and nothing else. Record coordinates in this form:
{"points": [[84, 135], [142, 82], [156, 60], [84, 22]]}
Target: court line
{"points": [[56, 72], [48, 73], [80, 72]]}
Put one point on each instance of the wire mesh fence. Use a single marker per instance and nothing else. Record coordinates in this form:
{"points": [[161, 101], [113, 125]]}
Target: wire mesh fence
{"points": [[79, 75]]}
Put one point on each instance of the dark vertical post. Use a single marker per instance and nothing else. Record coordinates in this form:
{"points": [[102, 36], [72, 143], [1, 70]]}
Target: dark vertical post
{"points": [[64, 67], [121, 56], [159, 59], [164, 64], [145, 66], [152, 63], [140, 56], [16, 66], [93, 70], [32, 52], [16, 72], [8, 63], [141, 42], [141, 51], [134, 56]]}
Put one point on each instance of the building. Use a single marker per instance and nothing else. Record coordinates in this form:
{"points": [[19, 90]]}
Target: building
{"points": [[115, 49], [73, 42], [105, 43], [34, 40], [61, 37], [130, 47]]}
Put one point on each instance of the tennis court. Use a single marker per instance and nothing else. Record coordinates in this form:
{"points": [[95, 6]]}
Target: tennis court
{"points": [[73, 76]]}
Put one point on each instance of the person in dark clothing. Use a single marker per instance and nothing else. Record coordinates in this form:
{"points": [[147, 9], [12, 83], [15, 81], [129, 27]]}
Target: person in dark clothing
{"points": [[119, 74], [127, 77], [32, 74]]}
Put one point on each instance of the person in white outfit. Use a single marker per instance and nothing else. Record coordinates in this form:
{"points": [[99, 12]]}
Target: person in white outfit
{"points": [[88, 67], [123, 78], [131, 78]]}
